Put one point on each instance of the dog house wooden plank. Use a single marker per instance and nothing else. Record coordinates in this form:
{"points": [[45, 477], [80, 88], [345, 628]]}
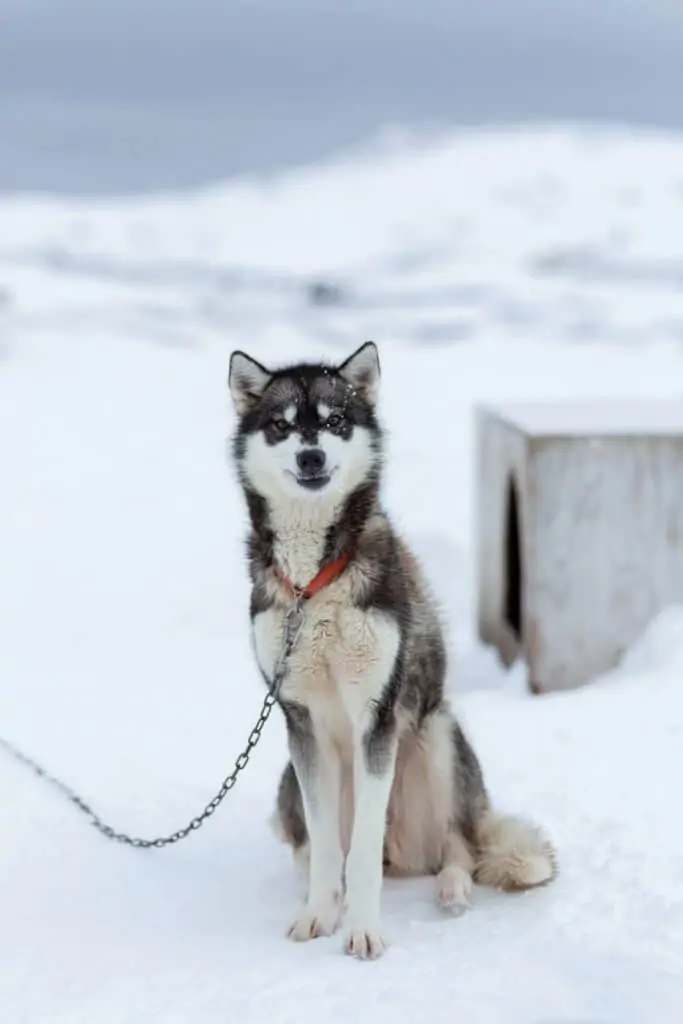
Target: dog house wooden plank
{"points": [[595, 493], [500, 464]]}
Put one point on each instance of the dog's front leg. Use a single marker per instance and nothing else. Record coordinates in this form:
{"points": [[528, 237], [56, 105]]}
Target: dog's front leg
{"points": [[318, 771], [374, 762]]}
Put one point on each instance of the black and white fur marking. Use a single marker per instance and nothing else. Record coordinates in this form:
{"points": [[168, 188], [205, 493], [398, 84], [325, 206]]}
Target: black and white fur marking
{"points": [[382, 778]]}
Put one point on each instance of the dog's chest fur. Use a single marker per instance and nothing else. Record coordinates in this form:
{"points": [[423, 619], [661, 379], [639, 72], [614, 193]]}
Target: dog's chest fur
{"points": [[342, 660]]}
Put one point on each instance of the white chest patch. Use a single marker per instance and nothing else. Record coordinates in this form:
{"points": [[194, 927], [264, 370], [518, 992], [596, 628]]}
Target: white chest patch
{"points": [[342, 662]]}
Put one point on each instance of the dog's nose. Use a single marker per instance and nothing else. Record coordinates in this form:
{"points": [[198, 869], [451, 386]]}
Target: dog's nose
{"points": [[310, 461]]}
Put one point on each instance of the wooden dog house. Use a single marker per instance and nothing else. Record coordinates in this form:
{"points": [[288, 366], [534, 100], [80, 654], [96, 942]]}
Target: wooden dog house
{"points": [[579, 511]]}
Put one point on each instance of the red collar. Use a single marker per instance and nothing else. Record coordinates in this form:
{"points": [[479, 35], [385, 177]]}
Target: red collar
{"points": [[328, 573]]}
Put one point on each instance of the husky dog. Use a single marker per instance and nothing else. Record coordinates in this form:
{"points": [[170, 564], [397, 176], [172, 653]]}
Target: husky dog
{"points": [[382, 777]]}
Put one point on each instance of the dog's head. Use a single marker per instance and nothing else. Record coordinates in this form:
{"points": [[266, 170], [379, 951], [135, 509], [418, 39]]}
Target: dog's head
{"points": [[308, 431]]}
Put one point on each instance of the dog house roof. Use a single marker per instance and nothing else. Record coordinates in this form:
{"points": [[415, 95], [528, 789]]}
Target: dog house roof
{"points": [[598, 417]]}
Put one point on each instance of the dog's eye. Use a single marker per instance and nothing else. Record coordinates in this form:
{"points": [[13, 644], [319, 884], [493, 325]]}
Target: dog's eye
{"points": [[334, 421], [280, 424]]}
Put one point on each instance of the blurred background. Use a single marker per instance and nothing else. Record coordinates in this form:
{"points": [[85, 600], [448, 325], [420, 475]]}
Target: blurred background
{"points": [[129, 95]]}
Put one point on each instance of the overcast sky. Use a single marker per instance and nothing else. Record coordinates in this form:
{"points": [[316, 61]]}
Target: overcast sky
{"points": [[111, 95]]}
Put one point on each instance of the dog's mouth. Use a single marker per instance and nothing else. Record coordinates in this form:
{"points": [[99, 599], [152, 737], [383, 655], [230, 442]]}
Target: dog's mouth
{"points": [[313, 481]]}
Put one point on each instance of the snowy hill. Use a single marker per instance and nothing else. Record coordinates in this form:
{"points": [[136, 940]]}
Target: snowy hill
{"points": [[486, 266]]}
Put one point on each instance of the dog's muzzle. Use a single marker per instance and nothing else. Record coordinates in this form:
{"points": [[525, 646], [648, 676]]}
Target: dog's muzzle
{"points": [[312, 469]]}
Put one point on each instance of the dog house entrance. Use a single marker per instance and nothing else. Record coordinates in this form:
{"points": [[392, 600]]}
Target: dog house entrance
{"points": [[513, 563]]}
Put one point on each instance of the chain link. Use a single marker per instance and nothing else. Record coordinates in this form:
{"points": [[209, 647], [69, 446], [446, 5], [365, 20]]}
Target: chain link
{"points": [[293, 622]]}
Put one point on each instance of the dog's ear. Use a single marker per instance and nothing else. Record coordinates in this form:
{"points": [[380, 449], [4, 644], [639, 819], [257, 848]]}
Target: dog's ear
{"points": [[361, 370], [247, 381]]}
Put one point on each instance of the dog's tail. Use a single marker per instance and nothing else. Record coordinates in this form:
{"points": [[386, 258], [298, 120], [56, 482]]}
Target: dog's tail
{"points": [[512, 853]]}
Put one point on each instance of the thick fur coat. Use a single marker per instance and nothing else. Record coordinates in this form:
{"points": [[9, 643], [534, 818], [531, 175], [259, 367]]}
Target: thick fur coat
{"points": [[382, 778]]}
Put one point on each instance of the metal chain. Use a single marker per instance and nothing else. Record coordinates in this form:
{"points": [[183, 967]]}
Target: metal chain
{"points": [[292, 628]]}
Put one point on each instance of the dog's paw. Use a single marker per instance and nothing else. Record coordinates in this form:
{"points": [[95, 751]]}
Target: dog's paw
{"points": [[314, 922], [454, 889], [364, 943]]}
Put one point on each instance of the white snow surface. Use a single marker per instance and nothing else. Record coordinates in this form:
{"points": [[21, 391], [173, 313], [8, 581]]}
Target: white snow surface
{"points": [[491, 266]]}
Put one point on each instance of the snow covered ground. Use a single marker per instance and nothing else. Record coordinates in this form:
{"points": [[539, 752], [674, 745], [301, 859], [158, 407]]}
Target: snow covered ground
{"points": [[487, 266]]}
